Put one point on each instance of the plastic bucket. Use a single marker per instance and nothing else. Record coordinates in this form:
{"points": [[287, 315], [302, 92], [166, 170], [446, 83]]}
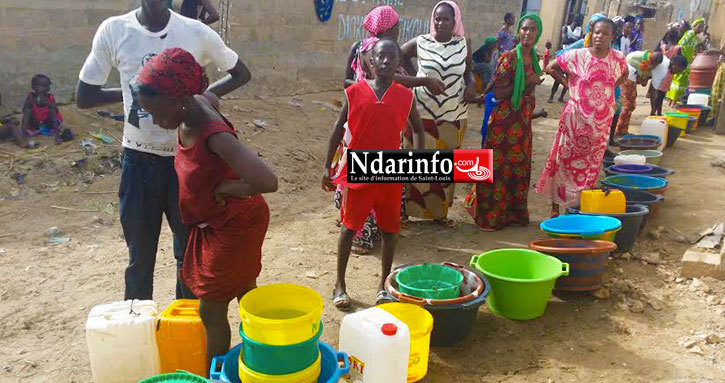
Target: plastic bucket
{"points": [[639, 143], [673, 133], [430, 281], [420, 323], [692, 112], [521, 280], [631, 223], [587, 260], [632, 168], [176, 377], [677, 120], [334, 365], [281, 314], [453, 319], [704, 112], [582, 226], [280, 360], [691, 123], [634, 182], [308, 375], [655, 171], [652, 156], [641, 197]]}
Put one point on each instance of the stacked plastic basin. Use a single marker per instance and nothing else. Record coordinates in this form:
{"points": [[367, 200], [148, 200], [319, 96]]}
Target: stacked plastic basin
{"points": [[677, 121], [692, 112], [453, 319], [280, 332], [582, 227]]}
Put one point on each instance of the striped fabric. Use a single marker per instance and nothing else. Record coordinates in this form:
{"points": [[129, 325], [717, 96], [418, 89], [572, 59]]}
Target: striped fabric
{"points": [[445, 61]]}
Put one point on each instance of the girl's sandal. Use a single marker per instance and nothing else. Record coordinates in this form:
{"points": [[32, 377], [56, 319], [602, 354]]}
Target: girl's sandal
{"points": [[383, 297], [359, 250], [342, 301]]}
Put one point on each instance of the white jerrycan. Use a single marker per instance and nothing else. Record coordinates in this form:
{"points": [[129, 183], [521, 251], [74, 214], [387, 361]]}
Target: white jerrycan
{"points": [[378, 346], [121, 339]]}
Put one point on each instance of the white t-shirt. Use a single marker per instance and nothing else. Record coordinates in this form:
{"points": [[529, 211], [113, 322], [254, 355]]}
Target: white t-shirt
{"points": [[660, 72], [625, 45], [121, 42], [632, 73]]}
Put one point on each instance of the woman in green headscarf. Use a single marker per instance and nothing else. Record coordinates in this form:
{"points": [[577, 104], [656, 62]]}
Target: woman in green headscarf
{"points": [[688, 48], [505, 201]]}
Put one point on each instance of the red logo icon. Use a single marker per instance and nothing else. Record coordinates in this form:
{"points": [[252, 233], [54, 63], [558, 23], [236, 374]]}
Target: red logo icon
{"points": [[473, 165]]}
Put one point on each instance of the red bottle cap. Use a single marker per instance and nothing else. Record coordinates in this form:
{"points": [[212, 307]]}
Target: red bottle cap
{"points": [[390, 329]]}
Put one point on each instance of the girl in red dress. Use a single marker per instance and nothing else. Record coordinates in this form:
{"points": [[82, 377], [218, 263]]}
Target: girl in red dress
{"points": [[220, 187]]}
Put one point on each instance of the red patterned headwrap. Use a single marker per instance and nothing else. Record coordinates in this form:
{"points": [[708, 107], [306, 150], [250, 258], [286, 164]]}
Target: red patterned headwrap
{"points": [[380, 19], [174, 72]]}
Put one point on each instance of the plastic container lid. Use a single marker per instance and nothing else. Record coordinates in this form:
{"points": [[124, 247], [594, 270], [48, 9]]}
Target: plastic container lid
{"points": [[580, 224], [389, 329]]}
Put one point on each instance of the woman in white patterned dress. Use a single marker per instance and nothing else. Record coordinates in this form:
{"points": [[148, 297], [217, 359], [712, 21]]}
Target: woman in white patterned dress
{"points": [[445, 54]]}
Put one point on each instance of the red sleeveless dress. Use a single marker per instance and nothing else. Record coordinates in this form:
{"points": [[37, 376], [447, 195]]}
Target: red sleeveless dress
{"points": [[374, 124], [224, 253]]}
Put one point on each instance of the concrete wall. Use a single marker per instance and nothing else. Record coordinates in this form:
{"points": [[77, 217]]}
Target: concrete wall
{"points": [[716, 24], [288, 50], [689, 9], [552, 16], [47, 36]]}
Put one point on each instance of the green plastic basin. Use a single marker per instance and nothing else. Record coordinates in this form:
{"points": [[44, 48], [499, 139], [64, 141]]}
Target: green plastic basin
{"points": [[521, 280]]}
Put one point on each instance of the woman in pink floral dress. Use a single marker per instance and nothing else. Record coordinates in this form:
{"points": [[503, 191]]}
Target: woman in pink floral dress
{"points": [[580, 142]]}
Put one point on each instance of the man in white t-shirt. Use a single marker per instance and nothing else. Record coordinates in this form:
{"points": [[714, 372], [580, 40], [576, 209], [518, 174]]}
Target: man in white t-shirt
{"points": [[149, 186]]}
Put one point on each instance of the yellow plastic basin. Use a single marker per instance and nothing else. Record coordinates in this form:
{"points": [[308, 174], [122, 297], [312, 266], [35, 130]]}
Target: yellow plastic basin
{"points": [[281, 314], [308, 375]]}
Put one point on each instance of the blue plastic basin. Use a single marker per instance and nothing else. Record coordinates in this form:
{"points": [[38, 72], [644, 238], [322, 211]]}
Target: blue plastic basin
{"points": [[655, 171], [582, 225], [634, 182]]}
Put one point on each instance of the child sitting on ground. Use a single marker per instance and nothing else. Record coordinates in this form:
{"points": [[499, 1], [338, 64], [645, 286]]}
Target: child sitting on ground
{"points": [[377, 112], [40, 112]]}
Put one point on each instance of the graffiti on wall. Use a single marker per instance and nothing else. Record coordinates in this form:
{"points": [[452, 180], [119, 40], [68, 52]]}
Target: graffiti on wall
{"points": [[349, 26]]}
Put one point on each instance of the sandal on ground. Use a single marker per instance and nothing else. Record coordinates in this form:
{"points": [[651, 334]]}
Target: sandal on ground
{"points": [[359, 250], [383, 297], [342, 301], [449, 223]]}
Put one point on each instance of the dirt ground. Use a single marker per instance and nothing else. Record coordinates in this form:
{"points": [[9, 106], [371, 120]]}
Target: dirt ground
{"points": [[637, 334]]}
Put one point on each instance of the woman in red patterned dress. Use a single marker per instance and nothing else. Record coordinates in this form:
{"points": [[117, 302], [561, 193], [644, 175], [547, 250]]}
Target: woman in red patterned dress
{"points": [[504, 202], [220, 187]]}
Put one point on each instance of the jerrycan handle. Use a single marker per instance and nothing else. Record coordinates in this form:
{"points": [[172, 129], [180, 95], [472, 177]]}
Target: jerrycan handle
{"points": [[564, 269]]}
